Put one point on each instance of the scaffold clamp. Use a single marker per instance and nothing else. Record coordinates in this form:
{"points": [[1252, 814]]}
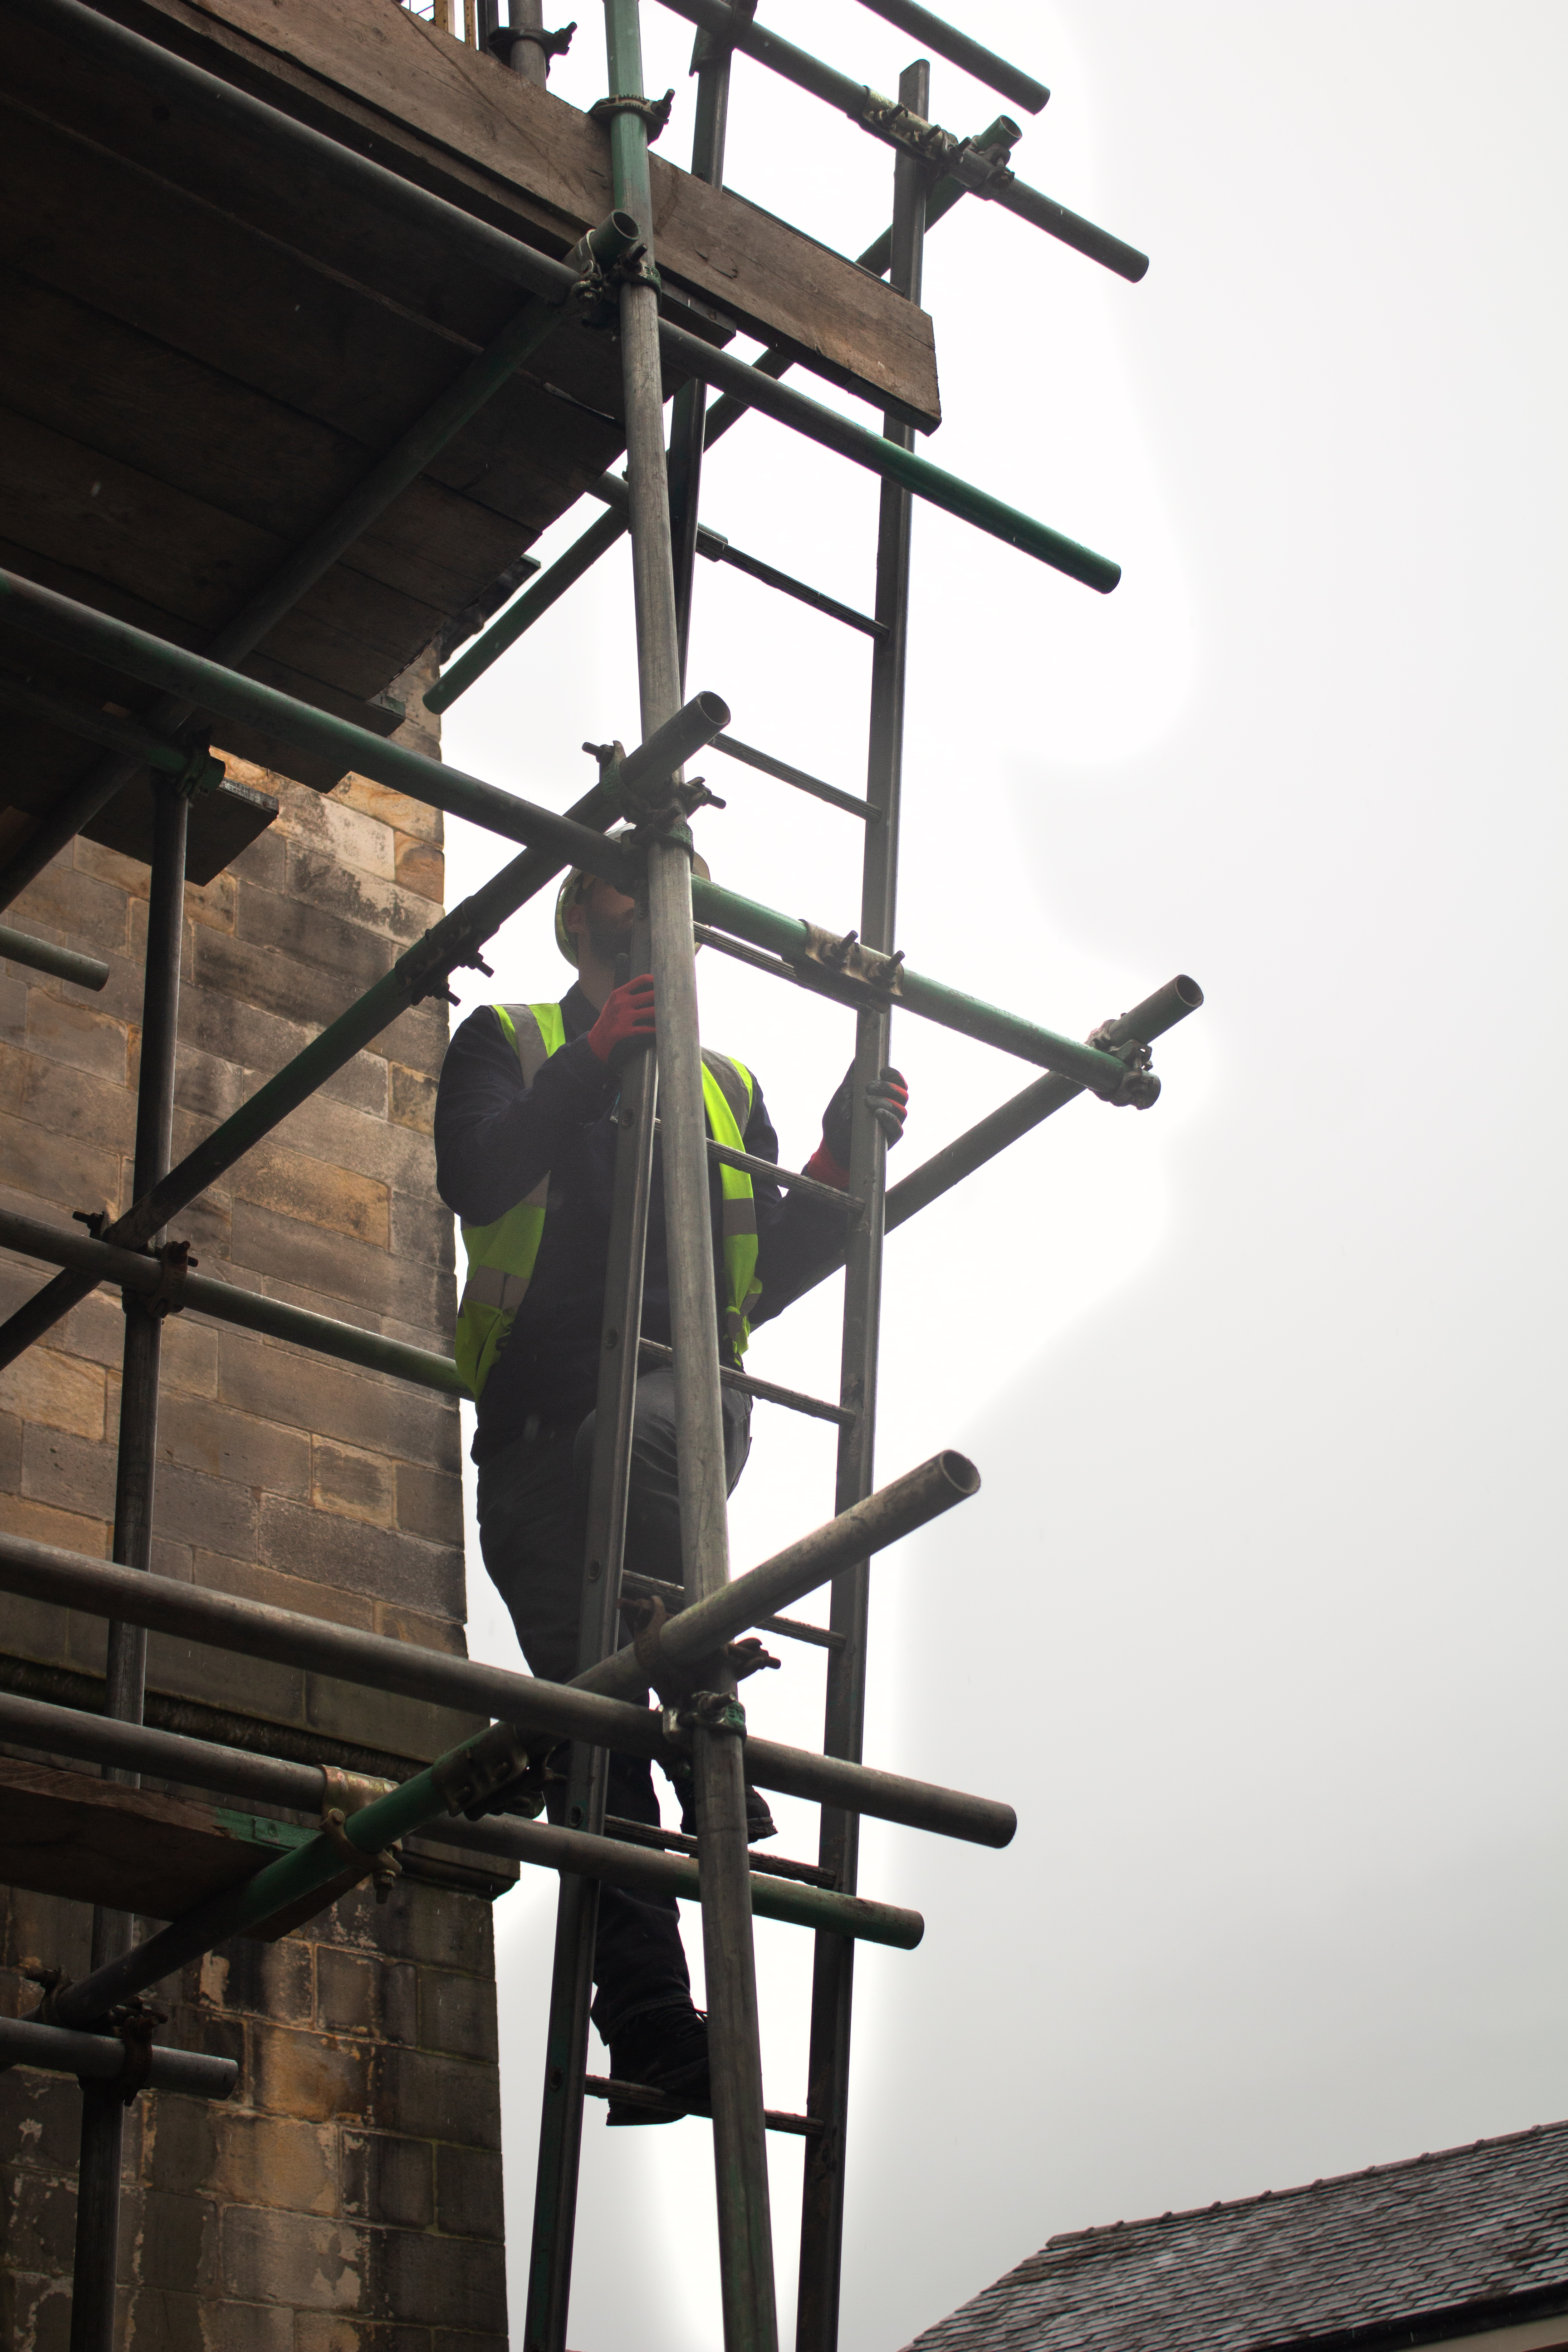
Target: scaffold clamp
{"points": [[1140, 1089], [652, 113]]}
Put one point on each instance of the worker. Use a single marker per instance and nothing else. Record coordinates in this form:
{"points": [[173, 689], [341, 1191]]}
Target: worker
{"points": [[525, 1149]]}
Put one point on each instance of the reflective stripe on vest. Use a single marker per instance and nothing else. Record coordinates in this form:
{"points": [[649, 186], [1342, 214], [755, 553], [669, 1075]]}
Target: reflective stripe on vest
{"points": [[501, 1257]]}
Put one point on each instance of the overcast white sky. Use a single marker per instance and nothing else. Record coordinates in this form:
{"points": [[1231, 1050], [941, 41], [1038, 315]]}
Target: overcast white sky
{"points": [[1259, 1620]]}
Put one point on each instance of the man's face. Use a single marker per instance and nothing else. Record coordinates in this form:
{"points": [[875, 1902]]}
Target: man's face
{"points": [[606, 920]]}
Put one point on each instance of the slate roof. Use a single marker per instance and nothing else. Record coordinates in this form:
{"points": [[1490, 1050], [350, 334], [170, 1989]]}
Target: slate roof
{"points": [[1470, 2238]]}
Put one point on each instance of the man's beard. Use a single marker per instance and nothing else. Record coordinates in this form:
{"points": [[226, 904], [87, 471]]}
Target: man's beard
{"points": [[610, 936]]}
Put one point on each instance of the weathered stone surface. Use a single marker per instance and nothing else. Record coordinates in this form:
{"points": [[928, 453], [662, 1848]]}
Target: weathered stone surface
{"points": [[346, 2198]]}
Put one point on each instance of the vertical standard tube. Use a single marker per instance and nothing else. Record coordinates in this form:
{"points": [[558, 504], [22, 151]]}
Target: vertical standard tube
{"points": [[530, 59], [577, 1906], [740, 2140], [688, 414], [97, 2255], [832, 1992]]}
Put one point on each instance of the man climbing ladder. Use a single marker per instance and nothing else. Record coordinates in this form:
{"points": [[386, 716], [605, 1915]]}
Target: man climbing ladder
{"points": [[525, 1149]]}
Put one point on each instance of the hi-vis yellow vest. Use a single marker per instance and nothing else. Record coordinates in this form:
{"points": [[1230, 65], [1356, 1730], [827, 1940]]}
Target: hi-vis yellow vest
{"points": [[501, 1257]]}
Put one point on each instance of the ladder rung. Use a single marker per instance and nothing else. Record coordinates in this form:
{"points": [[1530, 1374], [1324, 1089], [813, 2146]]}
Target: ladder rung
{"points": [[788, 1628], [769, 1390], [637, 2095], [770, 1866]]}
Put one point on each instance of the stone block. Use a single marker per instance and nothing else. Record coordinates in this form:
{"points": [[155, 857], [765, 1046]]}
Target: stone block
{"points": [[321, 1191], [375, 902], [393, 2180], [188, 1361], [347, 1991], [393, 808], [283, 1384], [353, 1484], [344, 952], [213, 1514], [255, 975], [58, 1173], [342, 831], [452, 2281], [392, 1154], [254, 1039], [175, 2245], [222, 1441], [402, 1727], [423, 1229], [39, 2114], [469, 2193], [67, 1102], [357, 1558], [67, 1472], [40, 2221], [417, 1038], [432, 1928], [333, 1268], [10, 1453], [297, 2258], [429, 1503], [111, 865], [35, 2312], [46, 1930], [316, 2332], [41, 1524], [207, 1086], [173, 1559], [83, 1040], [433, 2098], [13, 996], [248, 2327], [82, 909], [156, 2315], [44, 1386], [445, 1633], [223, 1677], [95, 1330], [181, 2145], [275, 2160], [412, 1099], [421, 867], [311, 2076], [304, 1594], [272, 1980], [457, 2014]]}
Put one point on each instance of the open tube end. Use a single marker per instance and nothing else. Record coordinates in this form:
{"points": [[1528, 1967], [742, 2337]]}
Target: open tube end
{"points": [[959, 1472], [1189, 991]]}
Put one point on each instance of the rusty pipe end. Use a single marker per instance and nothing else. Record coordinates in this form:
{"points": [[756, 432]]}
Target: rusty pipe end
{"points": [[960, 1473]]}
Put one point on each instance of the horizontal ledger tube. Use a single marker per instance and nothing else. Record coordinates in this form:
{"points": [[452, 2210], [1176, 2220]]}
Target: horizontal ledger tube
{"points": [[265, 1780], [100, 2058], [61, 963], [222, 1620], [790, 937], [227, 1303]]}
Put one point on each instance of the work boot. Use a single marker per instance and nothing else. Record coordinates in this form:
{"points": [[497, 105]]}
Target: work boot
{"points": [[665, 2050], [760, 1822]]}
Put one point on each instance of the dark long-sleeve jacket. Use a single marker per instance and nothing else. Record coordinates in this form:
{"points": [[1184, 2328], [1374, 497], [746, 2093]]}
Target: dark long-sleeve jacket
{"points": [[496, 1138]]}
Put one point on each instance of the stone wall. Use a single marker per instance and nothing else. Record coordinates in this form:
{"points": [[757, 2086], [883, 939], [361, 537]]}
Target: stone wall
{"points": [[348, 2198]]}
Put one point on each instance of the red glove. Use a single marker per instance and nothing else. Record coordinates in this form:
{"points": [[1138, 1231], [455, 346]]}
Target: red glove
{"points": [[626, 1025]]}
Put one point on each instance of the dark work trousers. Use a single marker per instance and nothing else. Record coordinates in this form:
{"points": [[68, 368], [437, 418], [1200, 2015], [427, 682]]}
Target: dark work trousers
{"points": [[533, 1513]]}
